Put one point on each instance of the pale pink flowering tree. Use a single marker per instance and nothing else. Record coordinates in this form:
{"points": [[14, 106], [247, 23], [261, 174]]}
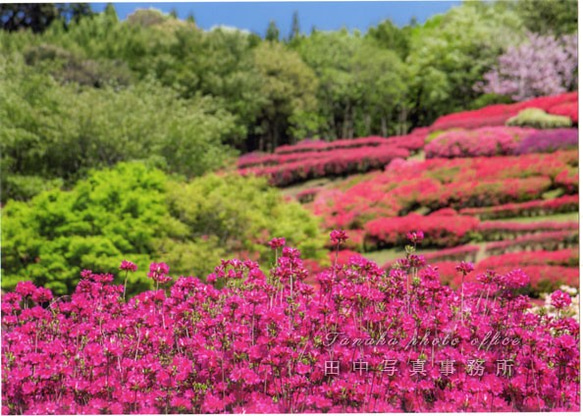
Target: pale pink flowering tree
{"points": [[543, 65]]}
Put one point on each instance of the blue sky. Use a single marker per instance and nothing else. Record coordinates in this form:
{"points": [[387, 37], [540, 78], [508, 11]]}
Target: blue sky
{"points": [[323, 15]]}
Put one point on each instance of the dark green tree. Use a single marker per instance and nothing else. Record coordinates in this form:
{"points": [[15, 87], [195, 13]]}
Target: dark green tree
{"points": [[295, 28], [272, 33], [389, 36]]}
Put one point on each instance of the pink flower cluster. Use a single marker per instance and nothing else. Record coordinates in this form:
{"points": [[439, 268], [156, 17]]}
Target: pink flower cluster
{"points": [[497, 115], [367, 341], [569, 203], [549, 141], [485, 141], [568, 179]]}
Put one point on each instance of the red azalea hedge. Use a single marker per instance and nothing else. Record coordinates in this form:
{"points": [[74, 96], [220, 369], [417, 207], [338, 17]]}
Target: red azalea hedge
{"points": [[486, 141], [496, 115], [542, 278], [569, 203], [550, 241], [569, 109], [504, 230], [566, 257], [568, 179], [336, 163], [439, 231], [409, 141]]}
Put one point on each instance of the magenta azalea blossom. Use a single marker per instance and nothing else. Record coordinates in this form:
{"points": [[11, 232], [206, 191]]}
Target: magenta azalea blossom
{"points": [[128, 266]]}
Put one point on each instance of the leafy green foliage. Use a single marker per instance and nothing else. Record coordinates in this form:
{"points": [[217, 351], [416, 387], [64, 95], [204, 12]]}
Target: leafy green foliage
{"points": [[548, 16], [111, 215], [137, 212]]}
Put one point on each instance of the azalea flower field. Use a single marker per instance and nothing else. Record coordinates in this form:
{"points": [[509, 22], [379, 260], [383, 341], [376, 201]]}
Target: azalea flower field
{"points": [[270, 343], [213, 220]]}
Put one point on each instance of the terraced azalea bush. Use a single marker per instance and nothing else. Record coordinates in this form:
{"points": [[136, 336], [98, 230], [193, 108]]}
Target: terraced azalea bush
{"points": [[367, 341], [570, 109], [486, 141], [498, 114], [568, 203], [440, 231], [503, 230], [335, 163], [549, 141]]}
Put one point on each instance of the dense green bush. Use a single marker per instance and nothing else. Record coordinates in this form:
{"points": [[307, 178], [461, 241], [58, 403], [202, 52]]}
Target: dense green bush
{"points": [[537, 118], [236, 214], [137, 212]]}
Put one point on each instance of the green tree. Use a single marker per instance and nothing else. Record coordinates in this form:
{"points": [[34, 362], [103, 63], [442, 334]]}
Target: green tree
{"points": [[389, 36], [295, 27], [289, 87], [272, 33]]}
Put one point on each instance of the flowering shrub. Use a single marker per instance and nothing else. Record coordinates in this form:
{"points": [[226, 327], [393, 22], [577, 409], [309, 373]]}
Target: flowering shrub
{"points": [[541, 278], [498, 114], [542, 65], [335, 163], [438, 231], [569, 203], [486, 141], [552, 240], [409, 141], [534, 117], [367, 341], [549, 141], [307, 195], [568, 179], [570, 109], [566, 257], [503, 230]]}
